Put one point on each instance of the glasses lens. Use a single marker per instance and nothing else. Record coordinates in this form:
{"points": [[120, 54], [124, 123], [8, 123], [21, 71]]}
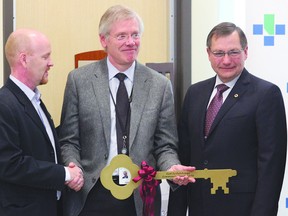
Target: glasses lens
{"points": [[231, 53], [234, 53], [125, 37], [218, 54], [121, 37]]}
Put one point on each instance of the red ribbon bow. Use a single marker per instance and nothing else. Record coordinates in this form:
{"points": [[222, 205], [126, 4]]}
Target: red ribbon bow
{"points": [[147, 188]]}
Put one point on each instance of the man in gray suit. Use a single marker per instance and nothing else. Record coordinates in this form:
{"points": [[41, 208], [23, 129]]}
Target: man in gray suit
{"points": [[88, 133]]}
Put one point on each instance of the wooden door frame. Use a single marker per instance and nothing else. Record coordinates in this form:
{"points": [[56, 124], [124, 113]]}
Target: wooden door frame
{"points": [[8, 19]]}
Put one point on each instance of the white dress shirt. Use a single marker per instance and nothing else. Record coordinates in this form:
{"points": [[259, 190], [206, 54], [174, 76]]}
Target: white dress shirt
{"points": [[113, 85], [225, 93]]}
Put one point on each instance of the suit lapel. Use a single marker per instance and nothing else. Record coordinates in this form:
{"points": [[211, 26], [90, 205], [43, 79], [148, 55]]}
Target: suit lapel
{"points": [[102, 94], [28, 106], [141, 86], [141, 89], [236, 93], [51, 123]]}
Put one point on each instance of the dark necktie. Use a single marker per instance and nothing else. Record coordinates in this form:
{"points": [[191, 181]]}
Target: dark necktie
{"points": [[122, 115], [214, 107]]}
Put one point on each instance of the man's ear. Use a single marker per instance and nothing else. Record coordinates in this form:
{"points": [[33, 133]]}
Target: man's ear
{"points": [[103, 41], [23, 59]]}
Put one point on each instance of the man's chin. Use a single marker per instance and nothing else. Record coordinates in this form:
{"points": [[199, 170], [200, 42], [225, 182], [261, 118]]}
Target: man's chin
{"points": [[44, 82]]}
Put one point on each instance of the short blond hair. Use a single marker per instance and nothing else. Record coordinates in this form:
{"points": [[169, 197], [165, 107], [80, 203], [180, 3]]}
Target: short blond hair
{"points": [[116, 13]]}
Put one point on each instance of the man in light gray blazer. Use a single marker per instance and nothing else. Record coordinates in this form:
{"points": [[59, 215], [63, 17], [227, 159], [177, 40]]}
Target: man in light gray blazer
{"points": [[88, 131]]}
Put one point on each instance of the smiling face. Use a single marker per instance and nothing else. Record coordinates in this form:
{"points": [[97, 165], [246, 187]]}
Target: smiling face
{"points": [[122, 52], [227, 67]]}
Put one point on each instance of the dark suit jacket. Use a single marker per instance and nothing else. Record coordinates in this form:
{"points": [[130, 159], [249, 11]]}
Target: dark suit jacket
{"points": [[29, 176], [86, 125], [248, 135]]}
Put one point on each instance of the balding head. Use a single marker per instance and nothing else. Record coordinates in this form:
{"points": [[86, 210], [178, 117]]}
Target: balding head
{"points": [[28, 54], [21, 41]]}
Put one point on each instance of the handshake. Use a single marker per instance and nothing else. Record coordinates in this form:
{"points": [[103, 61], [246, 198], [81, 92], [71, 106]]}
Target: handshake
{"points": [[76, 181]]}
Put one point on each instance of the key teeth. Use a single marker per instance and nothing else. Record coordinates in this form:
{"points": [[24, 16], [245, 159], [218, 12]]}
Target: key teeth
{"points": [[213, 191], [226, 190]]}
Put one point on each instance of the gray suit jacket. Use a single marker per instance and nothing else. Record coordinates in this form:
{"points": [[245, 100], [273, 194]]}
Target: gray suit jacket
{"points": [[86, 125]]}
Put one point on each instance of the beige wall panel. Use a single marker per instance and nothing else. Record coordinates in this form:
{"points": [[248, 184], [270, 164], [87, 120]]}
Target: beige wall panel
{"points": [[72, 27]]}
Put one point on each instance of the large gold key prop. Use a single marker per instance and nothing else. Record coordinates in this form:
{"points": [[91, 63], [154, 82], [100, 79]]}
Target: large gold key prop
{"points": [[126, 170], [219, 177]]}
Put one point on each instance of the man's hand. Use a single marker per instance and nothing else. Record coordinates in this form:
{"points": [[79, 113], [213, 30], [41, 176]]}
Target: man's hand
{"points": [[77, 180], [182, 180]]}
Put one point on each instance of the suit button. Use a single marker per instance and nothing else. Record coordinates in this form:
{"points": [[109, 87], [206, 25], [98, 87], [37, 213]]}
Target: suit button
{"points": [[93, 180], [205, 162], [106, 156]]}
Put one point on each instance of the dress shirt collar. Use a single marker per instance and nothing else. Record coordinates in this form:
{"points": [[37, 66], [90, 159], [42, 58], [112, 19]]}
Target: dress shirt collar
{"points": [[28, 92], [229, 84], [113, 71]]}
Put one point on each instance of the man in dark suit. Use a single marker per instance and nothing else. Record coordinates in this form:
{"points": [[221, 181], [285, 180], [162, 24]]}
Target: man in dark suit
{"points": [[88, 123], [248, 135], [31, 176]]}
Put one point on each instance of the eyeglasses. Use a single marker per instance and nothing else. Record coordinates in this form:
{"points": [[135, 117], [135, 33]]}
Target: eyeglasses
{"points": [[230, 53], [125, 37]]}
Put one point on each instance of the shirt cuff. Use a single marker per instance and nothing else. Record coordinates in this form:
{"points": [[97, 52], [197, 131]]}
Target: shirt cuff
{"points": [[67, 174]]}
